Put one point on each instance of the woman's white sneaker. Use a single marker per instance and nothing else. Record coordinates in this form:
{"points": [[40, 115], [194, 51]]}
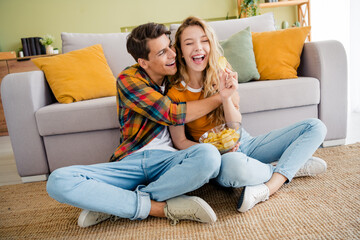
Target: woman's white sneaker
{"points": [[88, 218], [252, 195], [312, 167]]}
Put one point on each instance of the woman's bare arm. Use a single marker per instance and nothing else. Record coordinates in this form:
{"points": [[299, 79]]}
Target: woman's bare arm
{"points": [[179, 138]]}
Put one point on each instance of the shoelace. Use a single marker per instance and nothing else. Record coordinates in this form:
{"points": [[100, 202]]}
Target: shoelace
{"points": [[304, 170], [260, 197], [175, 217], [101, 216], [114, 218]]}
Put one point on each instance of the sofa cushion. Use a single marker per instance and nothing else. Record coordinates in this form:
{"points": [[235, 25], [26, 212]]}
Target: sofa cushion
{"points": [[238, 49], [98, 114], [89, 115], [259, 96], [225, 28], [114, 46], [78, 75], [277, 53]]}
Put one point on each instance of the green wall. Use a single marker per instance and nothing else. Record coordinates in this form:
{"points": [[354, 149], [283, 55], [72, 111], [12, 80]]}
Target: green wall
{"points": [[30, 18]]}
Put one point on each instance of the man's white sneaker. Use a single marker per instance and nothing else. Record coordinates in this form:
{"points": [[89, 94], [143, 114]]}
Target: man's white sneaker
{"points": [[88, 218], [252, 195], [312, 167], [189, 208]]}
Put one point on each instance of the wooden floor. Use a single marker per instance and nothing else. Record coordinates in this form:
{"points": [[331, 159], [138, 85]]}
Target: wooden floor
{"points": [[9, 175], [8, 172]]}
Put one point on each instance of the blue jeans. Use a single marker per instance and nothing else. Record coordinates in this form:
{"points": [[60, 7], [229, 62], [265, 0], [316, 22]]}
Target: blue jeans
{"points": [[125, 188], [291, 146]]}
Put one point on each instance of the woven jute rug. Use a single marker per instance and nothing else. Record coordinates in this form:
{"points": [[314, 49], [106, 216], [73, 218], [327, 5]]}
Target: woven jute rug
{"points": [[322, 207]]}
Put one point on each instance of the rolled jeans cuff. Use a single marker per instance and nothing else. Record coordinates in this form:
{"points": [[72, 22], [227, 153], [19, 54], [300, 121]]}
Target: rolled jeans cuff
{"points": [[143, 204], [285, 174]]}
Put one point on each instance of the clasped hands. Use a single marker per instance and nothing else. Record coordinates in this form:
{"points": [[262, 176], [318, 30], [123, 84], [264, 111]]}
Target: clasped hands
{"points": [[228, 84], [228, 89]]}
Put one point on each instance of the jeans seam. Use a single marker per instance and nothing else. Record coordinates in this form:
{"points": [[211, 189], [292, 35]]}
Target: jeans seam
{"points": [[143, 165]]}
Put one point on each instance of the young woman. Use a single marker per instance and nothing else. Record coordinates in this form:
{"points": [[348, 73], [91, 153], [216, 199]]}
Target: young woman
{"points": [[248, 165]]}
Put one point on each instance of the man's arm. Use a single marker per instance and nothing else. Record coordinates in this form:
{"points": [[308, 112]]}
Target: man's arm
{"points": [[199, 108], [135, 94]]}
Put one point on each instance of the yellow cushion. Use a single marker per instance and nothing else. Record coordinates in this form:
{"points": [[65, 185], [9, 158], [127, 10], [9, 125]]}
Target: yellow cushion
{"points": [[78, 75], [277, 53]]}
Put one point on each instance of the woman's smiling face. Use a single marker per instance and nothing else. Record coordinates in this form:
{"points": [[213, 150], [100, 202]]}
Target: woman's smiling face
{"points": [[195, 48]]}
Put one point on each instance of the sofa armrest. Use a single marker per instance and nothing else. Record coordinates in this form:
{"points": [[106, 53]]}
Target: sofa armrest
{"points": [[22, 95], [326, 61]]}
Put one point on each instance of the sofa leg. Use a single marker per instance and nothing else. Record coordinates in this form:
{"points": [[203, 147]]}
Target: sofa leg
{"points": [[36, 178], [332, 143]]}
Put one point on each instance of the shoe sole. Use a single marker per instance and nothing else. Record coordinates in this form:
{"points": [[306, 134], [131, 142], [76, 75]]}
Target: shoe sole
{"points": [[81, 219]]}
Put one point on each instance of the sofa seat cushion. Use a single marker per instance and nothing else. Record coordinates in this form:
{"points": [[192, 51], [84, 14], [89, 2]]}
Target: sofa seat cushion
{"points": [[101, 114], [256, 96], [83, 116]]}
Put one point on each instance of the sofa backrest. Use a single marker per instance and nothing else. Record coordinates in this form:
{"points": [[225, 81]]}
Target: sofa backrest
{"points": [[224, 29], [114, 46]]}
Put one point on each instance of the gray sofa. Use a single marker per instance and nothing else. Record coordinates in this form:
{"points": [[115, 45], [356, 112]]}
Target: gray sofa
{"points": [[46, 135]]}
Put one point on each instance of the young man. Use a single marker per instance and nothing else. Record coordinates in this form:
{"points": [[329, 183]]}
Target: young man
{"points": [[146, 175]]}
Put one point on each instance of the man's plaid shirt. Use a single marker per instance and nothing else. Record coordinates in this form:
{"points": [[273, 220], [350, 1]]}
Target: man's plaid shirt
{"points": [[143, 111]]}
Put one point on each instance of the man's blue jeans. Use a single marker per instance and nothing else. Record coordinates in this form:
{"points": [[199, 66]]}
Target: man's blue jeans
{"points": [[291, 146], [125, 188]]}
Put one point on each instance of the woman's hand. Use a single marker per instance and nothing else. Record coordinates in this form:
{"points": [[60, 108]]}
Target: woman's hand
{"points": [[235, 148], [228, 83]]}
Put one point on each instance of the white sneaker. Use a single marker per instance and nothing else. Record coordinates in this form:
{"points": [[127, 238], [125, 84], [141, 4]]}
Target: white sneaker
{"points": [[189, 208], [252, 195], [88, 218], [312, 167]]}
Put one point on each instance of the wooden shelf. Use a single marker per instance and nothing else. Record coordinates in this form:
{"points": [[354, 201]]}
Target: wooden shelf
{"points": [[303, 10], [283, 3], [27, 57]]}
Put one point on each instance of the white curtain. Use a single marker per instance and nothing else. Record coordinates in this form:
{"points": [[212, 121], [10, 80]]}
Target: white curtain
{"points": [[340, 20]]}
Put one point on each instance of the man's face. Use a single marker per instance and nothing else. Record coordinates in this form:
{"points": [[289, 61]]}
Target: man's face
{"points": [[161, 59]]}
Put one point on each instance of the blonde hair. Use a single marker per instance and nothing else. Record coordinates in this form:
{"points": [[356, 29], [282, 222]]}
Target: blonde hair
{"points": [[211, 73]]}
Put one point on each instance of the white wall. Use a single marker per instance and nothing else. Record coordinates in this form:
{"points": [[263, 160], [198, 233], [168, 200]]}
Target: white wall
{"points": [[333, 19], [355, 54]]}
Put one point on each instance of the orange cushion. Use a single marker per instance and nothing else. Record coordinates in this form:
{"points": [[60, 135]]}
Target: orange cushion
{"points": [[277, 53], [78, 75]]}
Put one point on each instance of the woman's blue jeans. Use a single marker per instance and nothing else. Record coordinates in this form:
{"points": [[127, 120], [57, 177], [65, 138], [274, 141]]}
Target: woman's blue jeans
{"points": [[125, 188], [291, 146]]}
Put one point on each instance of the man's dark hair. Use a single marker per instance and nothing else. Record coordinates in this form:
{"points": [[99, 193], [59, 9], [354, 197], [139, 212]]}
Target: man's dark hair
{"points": [[137, 40]]}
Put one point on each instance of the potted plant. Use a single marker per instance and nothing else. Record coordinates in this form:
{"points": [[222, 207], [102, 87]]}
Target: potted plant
{"points": [[46, 41], [248, 8]]}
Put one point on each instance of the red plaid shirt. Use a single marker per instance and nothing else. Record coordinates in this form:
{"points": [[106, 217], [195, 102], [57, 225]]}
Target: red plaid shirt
{"points": [[143, 111]]}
